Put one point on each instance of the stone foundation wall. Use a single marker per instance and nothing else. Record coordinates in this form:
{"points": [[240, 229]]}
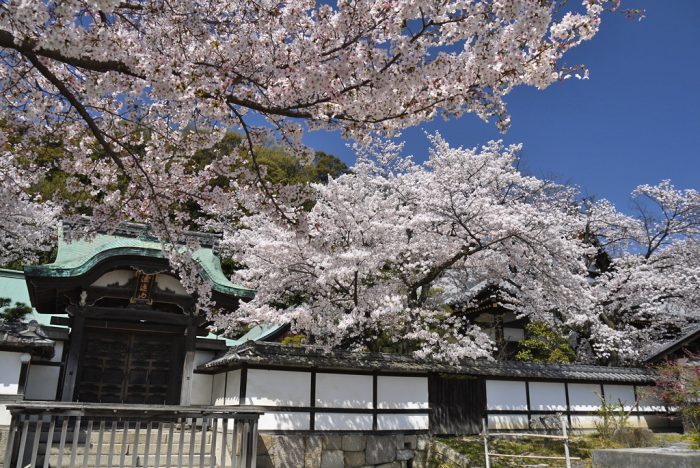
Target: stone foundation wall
{"points": [[342, 450]]}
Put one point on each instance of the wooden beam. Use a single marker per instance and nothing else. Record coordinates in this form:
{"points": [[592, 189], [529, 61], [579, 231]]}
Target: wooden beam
{"points": [[73, 360], [188, 365]]}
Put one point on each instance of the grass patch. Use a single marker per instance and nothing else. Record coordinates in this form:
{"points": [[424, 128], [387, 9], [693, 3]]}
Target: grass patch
{"points": [[580, 446]]}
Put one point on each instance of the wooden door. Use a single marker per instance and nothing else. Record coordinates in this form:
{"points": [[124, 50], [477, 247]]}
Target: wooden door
{"points": [[457, 404], [129, 367]]}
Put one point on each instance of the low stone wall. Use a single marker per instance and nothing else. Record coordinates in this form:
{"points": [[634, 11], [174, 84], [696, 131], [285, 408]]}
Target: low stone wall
{"points": [[444, 456], [342, 450], [666, 457], [4, 434]]}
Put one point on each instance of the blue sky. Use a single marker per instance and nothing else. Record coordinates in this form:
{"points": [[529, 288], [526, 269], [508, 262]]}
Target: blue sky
{"points": [[637, 120]]}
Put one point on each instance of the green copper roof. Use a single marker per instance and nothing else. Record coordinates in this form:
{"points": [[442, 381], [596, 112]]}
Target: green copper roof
{"points": [[14, 287], [78, 257]]}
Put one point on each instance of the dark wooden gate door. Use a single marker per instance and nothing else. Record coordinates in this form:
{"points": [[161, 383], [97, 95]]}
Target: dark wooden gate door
{"points": [[457, 404], [129, 367]]}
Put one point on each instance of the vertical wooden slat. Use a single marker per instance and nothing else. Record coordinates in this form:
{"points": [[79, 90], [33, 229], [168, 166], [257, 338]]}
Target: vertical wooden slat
{"points": [[49, 440], [224, 427], [135, 457], [234, 442], [100, 438], [22, 442], [244, 443], [62, 442], [181, 443], [88, 443], [74, 445], [171, 433], [202, 442], [125, 439], [253, 457], [159, 434], [37, 440], [212, 451], [193, 439], [110, 454], [11, 439], [147, 447]]}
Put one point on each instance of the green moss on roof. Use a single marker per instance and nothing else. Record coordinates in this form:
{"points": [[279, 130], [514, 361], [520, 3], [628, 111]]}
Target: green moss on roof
{"points": [[78, 257]]}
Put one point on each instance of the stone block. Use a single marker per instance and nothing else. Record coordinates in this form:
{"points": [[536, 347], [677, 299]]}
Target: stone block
{"points": [[394, 464], [354, 459], [314, 447], [332, 459], [332, 442], [422, 442], [380, 449], [404, 454], [354, 443], [288, 451], [264, 461], [410, 441], [265, 442]]}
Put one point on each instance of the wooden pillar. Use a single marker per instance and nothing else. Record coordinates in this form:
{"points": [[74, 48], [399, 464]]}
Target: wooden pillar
{"points": [[70, 372], [188, 365]]}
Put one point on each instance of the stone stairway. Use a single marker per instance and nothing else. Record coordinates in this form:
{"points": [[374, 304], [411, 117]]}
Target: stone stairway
{"points": [[173, 449]]}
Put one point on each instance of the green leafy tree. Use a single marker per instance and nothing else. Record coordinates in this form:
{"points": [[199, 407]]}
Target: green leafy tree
{"points": [[544, 345], [13, 314]]}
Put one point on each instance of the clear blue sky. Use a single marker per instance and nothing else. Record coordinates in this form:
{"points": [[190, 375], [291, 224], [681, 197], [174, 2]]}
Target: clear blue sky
{"points": [[637, 120]]}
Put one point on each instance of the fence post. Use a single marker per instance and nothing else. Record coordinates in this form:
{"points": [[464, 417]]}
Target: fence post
{"points": [[566, 441], [485, 431]]}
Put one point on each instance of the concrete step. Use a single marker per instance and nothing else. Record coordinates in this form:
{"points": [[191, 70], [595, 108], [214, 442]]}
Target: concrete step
{"points": [[138, 448], [128, 460]]}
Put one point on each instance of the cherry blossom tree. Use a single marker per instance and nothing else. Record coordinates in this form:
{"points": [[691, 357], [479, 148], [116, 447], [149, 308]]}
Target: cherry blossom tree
{"points": [[134, 89], [651, 292], [383, 249]]}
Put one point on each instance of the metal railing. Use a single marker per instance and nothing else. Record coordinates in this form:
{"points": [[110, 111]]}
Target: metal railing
{"points": [[58, 434]]}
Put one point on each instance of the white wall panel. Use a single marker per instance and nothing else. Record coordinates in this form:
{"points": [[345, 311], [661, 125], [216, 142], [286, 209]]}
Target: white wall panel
{"points": [[402, 392], [547, 396], [505, 395], [218, 388], [201, 389], [507, 421], [42, 382], [583, 422], [5, 416], [649, 401], [274, 421], [343, 391], [619, 393], [57, 351], [233, 387], [395, 422], [584, 397], [278, 388], [9, 372], [343, 422]]}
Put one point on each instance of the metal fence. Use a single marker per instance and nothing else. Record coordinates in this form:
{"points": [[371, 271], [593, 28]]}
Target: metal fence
{"points": [[57, 434]]}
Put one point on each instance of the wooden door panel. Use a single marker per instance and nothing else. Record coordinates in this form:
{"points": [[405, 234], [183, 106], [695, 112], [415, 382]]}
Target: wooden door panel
{"points": [[457, 404], [129, 367]]}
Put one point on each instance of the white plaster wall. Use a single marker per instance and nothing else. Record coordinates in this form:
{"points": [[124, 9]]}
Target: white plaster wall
{"points": [[513, 334], [233, 387], [201, 389], [284, 421], [507, 421], [547, 396], [505, 395], [42, 382], [402, 392], [648, 400], [278, 388], [10, 367], [57, 351], [218, 388], [118, 277], [583, 422], [584, 397], [619, 393], [395, 422], [169, 283], [343, 422], [343, 391]]}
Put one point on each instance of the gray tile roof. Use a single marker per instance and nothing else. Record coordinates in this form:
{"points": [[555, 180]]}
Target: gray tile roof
{"points": [[309, 357], [25, 337]]}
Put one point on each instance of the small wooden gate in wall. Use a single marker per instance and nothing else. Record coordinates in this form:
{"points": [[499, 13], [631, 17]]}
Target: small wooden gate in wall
{"points": [[457, 404]]}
